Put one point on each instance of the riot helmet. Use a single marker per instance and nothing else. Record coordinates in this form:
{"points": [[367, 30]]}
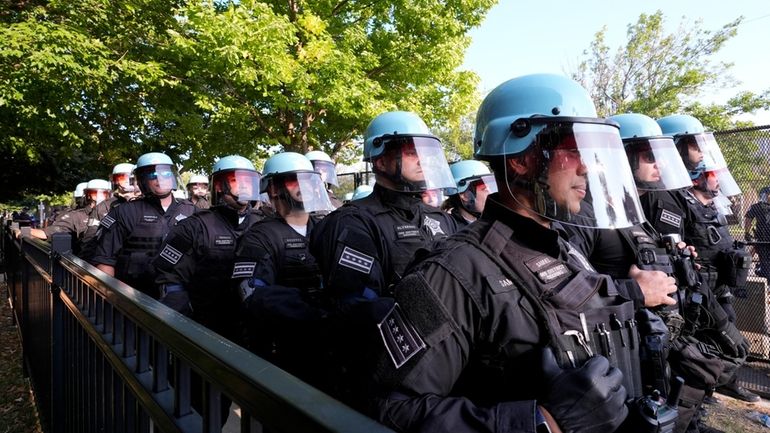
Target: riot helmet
{"points": [[701, 155], [234, 182], [653, 157], [553, 155], [122, 178], [474, 183], [361, 192], [97, 190], [324, 165], [405, 156], [79, 194], [156, 174], [293, 185], [198, 186]]}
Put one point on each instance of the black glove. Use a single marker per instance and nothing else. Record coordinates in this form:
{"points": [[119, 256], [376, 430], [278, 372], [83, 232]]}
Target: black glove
{"points": [[587, 399], [178, 301], [732, 341]]}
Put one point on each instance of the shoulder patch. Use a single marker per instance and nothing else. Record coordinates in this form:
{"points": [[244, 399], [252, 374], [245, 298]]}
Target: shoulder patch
{"points": [[401, 339], [243, 269], [107, 222], [356, 260], [171, 254], [670, 218], [180, 217]]}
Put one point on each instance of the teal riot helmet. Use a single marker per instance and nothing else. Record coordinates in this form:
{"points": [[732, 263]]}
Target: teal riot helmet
{"points": [[234, 182], [156, 174], [405, 156], [323, 164], [97, 190], [654, 159], [554, 156], [291, 182], [361, 192], [474, 183], [701, 154]]}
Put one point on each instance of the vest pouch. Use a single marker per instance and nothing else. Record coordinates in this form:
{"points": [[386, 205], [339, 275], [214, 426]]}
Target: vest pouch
{"points": [[734, 267], [696, 366]]}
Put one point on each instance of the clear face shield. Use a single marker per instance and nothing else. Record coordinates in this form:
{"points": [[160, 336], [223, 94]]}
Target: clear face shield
{"points": [[97, 196], [414, 164], [578, 165], [433, 197], [235, 188], [157, 180], [199, 190], [723, 205], [327, 171], [475, 197], [704, 148], [124, 183], [302, 191], [657, 165]]}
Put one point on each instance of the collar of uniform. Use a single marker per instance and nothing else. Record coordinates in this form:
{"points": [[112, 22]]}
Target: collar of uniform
{"points": [[525, 230], [394, 199]]}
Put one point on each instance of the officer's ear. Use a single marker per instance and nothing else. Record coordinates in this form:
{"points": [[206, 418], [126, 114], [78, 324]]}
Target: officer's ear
{"points": [[520, 165]]}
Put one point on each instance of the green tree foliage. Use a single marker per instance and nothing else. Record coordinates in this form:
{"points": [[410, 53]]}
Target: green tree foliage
{"points": [[658, 73], [87, 84]]}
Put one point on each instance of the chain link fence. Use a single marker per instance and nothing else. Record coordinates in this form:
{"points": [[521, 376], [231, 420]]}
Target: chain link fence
{"points": [[747, 152]]}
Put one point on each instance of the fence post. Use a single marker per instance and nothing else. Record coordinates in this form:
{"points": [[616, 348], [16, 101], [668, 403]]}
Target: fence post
{"points": [[60, 242]]}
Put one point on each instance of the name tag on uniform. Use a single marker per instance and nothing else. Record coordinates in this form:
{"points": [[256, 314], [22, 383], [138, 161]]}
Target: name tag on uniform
{"points": [[407, 231], [546, 268], [294, 243], [149, 218], [224, 240]]}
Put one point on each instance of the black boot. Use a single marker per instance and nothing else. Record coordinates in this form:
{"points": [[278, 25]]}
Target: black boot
{"points": [[734, 390]]}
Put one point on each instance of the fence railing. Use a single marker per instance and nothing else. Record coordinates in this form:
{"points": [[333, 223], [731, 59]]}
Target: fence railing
{"points": [[103, 357]]}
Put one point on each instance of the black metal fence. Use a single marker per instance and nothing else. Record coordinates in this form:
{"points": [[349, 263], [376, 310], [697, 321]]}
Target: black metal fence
{"points": [[103, 357]]}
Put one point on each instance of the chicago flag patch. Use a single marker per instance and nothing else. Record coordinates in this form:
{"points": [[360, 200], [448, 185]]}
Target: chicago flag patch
{"points": [[401, 339]]}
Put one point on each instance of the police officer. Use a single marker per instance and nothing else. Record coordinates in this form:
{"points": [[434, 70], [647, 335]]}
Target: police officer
{"points": [[278, 278], [198, 190], [474, 183], [79, 195], [364, 247], [81, 223], [656, 166], [506, 326], [131, 234], [124, 188], [323, 164], [196, 259], [760, 211], [724, 265], [361, 191]]}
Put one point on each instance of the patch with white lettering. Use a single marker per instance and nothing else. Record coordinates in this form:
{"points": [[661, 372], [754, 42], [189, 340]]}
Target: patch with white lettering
{"points": [[553, 273], [433, 225], [294, 243], [401, 339], [149, 218], [547, 268], [500, 283], [224, 240], [243, 269], [107, 221], [670, 218], [356, 260], [407, 231], [539, 263], [171, 254]]}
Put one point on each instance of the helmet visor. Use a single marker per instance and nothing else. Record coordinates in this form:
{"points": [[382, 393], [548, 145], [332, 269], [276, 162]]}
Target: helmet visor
{"points": [[656, 165], [433, 197], [157, 180], [579, 164], [723, 205], [421, 164], [303, 190], [97, 195], [327, 171], [241, 186], [713, 161], [124, 182]]}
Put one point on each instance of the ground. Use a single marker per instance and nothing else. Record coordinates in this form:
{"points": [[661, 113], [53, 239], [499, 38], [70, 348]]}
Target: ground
{"points": [[18, 415]]}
